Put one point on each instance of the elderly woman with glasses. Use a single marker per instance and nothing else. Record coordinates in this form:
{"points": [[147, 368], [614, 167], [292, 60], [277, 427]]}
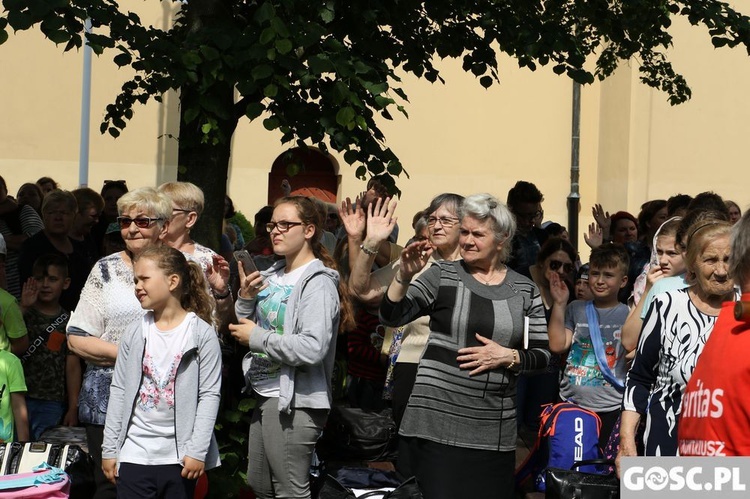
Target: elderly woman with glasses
{"points": [[458, 435], [370, 287], [107, 305]]}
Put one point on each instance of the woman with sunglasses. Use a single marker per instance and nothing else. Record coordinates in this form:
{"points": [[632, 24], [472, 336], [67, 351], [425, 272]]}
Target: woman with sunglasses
{"points": [[535, 389], [106, 307], [290, 316]]}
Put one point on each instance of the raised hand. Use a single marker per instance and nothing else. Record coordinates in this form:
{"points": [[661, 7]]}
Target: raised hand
{"points": [[654, 274], [218, 275], [602, 218], [380, 220], [414, 258], [352, 217], [558, 289], [29, 293], [595, 237]]}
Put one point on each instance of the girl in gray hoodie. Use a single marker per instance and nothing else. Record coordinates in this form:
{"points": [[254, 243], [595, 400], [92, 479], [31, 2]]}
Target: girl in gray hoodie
{"points": [[289, 317]]}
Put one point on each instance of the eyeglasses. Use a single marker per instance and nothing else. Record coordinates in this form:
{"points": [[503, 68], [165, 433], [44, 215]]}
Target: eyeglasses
{"points": [[530, 216], [181, 210], [282, 226], [115, 181], [555, 265], [140, 222], [444, 221]]}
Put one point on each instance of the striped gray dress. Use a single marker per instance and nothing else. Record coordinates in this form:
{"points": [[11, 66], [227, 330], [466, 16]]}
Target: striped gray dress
{"points": [[447, 405]]}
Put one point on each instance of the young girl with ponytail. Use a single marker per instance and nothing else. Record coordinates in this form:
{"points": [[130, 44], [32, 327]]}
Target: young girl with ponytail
{"points": [[289, 316], [164, 397]]}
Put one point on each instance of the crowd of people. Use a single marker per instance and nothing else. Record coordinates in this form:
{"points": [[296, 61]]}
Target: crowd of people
{"points": [[112, 314]]}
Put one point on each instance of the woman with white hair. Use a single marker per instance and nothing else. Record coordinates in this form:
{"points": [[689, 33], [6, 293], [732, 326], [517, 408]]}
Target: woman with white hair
{"points": [[107, 306], [458, 435]]}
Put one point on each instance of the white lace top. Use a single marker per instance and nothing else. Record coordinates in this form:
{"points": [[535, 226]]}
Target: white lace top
{"points": [[108, 303]]}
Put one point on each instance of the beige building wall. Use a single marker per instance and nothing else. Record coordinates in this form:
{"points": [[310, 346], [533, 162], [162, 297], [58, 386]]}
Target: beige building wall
{"points": [[459, 137]]}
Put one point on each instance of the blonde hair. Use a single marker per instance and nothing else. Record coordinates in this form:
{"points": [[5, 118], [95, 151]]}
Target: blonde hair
{"points": [[150, 201], [185, 195]]}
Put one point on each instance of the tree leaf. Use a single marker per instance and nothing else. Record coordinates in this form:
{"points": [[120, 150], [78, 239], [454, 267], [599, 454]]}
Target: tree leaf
{"points": [[261, 72], [271, 90], [232, 416], [253, 110], [279, 27], [719, 42], [123, 59], [350, 157], [326, 15], [246, 404], [271, 123], [190, 114], [283, 46], [19, 21], [345, 116], [267, 36], [265, 12], [209, 53], [319, 64]]}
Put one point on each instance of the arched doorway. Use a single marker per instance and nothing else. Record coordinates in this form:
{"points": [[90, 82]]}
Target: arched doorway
{"points": [[309, 171]]}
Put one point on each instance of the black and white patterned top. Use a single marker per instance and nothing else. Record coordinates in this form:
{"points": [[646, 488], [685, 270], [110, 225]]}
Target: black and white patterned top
{"points": [[672, 338], [447, 405]]}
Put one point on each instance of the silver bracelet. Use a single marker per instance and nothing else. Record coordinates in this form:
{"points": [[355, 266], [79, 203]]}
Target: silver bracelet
{"points": [[368, 251]]}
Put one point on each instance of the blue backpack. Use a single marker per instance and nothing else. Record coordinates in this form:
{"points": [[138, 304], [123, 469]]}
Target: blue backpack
{"points": [[568, 434]]}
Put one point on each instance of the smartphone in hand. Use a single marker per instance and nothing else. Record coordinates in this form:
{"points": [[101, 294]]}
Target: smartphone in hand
{"points": [[248, 265]]}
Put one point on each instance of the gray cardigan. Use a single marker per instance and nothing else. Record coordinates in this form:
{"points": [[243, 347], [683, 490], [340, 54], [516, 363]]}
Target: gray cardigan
{"points": [[306, 349], [197, 393]]}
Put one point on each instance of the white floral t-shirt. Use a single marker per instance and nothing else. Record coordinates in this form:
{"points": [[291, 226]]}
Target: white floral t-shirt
{"points": [[151, 438]]}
